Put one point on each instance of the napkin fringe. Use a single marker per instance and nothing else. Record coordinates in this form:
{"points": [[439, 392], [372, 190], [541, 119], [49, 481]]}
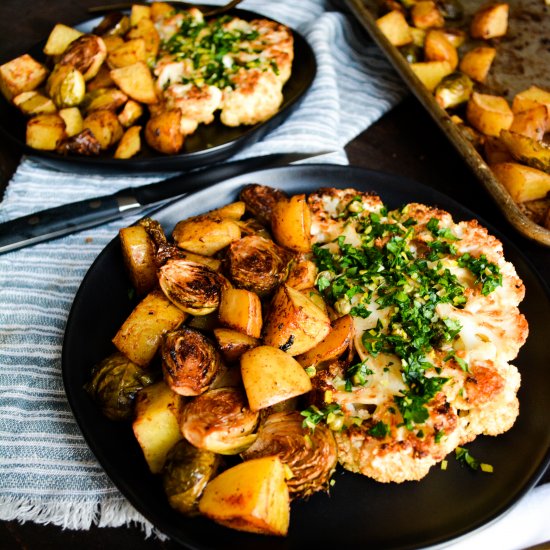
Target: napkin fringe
{"points": [[77, 514]]}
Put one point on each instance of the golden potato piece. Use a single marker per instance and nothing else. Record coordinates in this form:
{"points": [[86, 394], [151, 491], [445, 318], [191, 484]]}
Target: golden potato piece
{"points": [[523, 182], [477, 62], [130, 113], [136, 81], [251, 496], [128, 53], [526, 150], [430, 73], [110, 99], [489, 114], [294, 323], [438, 48], [532, 123], [146, 30], [337, 341], [233, 343], [130, 143], [241, 310], [395, 28], [73, 120], [291, 223], [21, 74], [530, 98], [60, 37], [270, 376], [163, 132], [206, 235], [490, 21], [302, 274], [426, 15], [140, 335], [45, 132], [105, 127], [34, 103], [138, 254], [156, 425], [139, 12]]}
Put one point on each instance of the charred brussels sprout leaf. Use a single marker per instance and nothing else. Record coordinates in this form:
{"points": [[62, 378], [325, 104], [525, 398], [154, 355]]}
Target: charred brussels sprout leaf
{"points": [[186, 472], [412, 53], [311, 455], [114, 384], [453, 90], [450, 9]]}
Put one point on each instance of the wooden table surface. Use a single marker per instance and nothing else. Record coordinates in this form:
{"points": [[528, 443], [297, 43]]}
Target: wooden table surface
{"points": [[405, 142]]}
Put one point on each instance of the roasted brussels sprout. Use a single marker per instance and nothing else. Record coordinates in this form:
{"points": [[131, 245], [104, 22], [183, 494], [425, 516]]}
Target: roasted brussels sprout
{"points": [[450, 9], [256, 264], [190, 362], [85, 54], [186, 472], [260, 199], [84, 143], [191, 286], [220, 421], [412, 53], [453, 90], [114, 23], [115, 382], [311, 455]]}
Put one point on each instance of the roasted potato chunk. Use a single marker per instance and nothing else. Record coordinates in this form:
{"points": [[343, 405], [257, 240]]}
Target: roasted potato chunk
{"points": [[60, 37], [138, 254], [136, 81], [45, 132], [291, 223], [489, 114], [241, 310], [130, 143], [490, 21], [163, 132], [477, 62], [395, 28], [105, 126], [21, 74], [523, 182]]}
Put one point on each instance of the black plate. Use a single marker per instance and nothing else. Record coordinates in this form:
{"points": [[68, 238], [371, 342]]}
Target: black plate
{"points": [[359, 513], [210, 143]]}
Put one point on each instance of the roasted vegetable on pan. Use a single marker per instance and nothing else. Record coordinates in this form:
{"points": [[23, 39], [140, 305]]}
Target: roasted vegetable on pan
{"points": [[365, 337], [452, 53], [168, 69]]}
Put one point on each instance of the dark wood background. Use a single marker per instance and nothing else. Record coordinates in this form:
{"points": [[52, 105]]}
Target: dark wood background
{"points": [[405, 142]]}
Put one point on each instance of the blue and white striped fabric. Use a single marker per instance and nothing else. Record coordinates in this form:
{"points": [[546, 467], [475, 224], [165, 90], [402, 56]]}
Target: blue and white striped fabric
{"points": [[47, 473]]}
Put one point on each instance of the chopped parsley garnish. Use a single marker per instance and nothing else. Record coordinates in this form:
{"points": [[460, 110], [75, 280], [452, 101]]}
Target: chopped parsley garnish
{"points": [[386, 272], [216, 51], [314, 415], [463, 455], [379, 430]]}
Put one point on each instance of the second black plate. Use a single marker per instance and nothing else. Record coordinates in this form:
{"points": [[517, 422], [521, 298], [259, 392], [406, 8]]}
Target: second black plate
{"points": [[359, 512], [210, 143]]}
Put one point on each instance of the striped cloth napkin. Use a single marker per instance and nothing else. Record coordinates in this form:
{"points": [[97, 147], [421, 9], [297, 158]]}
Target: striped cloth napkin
{"points": [[47, 473]]}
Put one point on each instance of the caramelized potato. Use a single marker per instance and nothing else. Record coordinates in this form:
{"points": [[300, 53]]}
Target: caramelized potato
{"points": [[294, 323], [270, 376], [163, 132], [145, 29], [337, 341], [105, 126], [233, 343], [109, 99], [530, 98], [206, 235], [130, 143], [438, 48], [395, 28], [531, 123], [140, 335], [45, 132], [139, 12], [233, 211], [136, 81], [527, 150], [490, 21], [34, 103], [477, 62], [302, 274], [128, 53], [156, 425], [241, 310], [251, 496], [60, 37], [430, 73], [21, 74], [73, 120], [523, 182], [291, 223], [138, 254], [489, 113], [426, 15], [130, 113]]}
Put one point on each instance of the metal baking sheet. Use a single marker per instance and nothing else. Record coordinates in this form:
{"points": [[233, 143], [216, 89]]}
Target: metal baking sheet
{"points": [[522, 60]]}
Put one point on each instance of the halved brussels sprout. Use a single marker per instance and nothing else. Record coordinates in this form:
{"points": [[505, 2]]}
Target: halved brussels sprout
{"points": [[453, 90], [186, 472], [114, 383], [190, 362], [191, 286], [412, 53], [220, 421], [311, 455], [260, 199], [256, 264], [86, 54]]}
